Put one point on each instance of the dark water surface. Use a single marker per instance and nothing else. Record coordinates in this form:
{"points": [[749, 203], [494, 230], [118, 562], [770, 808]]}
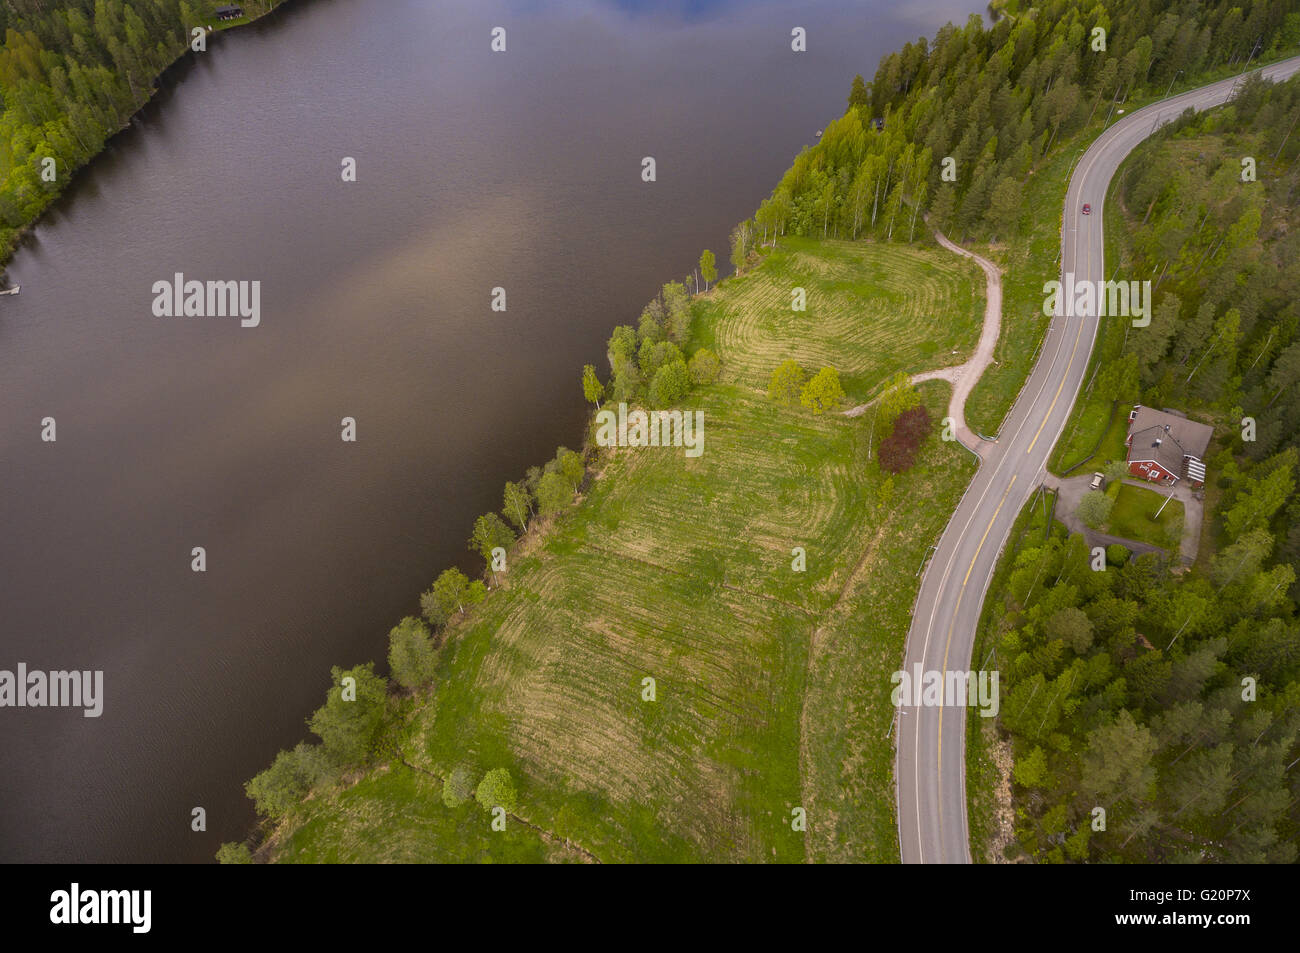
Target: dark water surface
{"points": [[475, 170]]}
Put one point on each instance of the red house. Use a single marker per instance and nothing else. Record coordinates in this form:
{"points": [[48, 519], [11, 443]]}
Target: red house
{"points": [[1165, 448]]}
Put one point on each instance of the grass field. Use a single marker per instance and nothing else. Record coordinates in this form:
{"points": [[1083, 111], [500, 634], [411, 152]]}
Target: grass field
{"points": [[395, 815], [1132, 515], [872, 310], [772, 686]]}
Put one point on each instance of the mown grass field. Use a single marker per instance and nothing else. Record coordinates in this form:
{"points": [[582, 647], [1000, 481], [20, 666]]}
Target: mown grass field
{"points": [[395, 815], [1133, 517], [872, 310], [771, 686]]}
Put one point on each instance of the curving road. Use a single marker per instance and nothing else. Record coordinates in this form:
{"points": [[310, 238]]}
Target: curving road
{"points": [[930, 761]]}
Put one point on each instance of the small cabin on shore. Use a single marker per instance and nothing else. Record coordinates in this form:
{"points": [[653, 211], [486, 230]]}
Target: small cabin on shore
{"points": [[229, 13]]}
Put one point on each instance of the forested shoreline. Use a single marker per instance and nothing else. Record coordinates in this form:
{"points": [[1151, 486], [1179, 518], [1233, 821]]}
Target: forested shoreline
{"points": [[995, 102], [71, 76]]}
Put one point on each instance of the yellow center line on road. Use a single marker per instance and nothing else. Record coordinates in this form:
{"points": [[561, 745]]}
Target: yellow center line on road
{"points": [[951, 625], [1078, 336]]}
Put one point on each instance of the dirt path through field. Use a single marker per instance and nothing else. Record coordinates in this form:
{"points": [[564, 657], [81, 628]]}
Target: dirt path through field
{"points": [[964, 376]]}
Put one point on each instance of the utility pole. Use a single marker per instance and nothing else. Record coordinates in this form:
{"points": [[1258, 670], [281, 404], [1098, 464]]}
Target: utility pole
{"points": [[1255, 49], [1171, 85], [1163, 505]]}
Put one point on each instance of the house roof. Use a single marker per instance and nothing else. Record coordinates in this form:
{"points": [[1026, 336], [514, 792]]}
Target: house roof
{"points": [[1166, 438]]}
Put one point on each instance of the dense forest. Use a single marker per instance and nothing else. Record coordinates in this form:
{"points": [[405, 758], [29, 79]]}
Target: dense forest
{"points": [[71, 74], [1224, 258], [1171, 699], [1170, 702], [996, 101]]}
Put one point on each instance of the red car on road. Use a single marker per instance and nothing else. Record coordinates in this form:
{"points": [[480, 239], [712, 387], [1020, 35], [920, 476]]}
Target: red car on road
{"points": [[1087, 209]]}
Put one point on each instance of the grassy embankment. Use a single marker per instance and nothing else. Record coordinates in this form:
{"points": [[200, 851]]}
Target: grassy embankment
{"points": [[772, 686]]}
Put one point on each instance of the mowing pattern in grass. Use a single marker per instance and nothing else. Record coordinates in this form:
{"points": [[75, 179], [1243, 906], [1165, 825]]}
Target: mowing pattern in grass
{"points": [[849, 777], [772, 686], [395, 815], [872, 310], [677, 569]]}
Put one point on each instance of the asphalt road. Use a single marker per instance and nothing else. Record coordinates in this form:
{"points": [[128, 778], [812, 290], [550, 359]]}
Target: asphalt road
{"points": [[930, 759]]}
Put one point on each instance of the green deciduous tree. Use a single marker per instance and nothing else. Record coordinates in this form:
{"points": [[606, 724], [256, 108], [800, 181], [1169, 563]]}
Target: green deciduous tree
{"points": [[554, 493], [232, 853], [823, 392], [677, 305], [739, 247], [899, 395], [670, 384], [517, 505], [287, 781], [786, 383], [708, 268], [497, 789], [1094, 508], [622, 346], [592, 389], [569, 464], [449, 595], [490, 532], [858, 95], [704, 366], [459, 786], [412, 658], [352, 719]]}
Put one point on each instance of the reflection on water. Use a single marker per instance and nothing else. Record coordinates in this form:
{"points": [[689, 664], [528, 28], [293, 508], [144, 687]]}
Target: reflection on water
{"points": [[475, 170]]}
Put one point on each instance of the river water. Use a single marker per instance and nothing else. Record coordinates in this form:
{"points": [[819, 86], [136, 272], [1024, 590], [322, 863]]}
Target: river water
{"points": [[475, 170]]}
